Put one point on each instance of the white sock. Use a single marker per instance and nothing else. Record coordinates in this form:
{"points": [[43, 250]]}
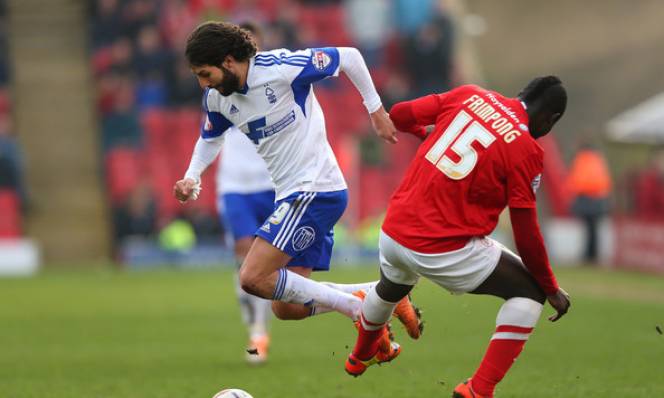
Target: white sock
{"points": [[521, 313], [344, 287], [294, 288], [375, 311], [351, 287], [245, 300], [262, 310]]}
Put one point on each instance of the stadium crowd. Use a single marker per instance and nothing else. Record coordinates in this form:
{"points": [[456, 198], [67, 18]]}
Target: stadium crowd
{"points": [[149, 103]]}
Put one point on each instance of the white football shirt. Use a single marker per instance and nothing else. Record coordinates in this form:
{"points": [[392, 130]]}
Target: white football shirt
{"points": [[241, 169], [278, 111]]}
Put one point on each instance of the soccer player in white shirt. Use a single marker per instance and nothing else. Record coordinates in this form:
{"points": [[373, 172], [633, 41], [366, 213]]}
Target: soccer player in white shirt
{"points": [[269, 97], [245, 197]]}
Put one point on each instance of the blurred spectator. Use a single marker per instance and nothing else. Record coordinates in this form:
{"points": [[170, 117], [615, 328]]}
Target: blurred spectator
{"points": [[137, 215], [150, 57], [412, 14], [106, 24], [121, 126], [176, 20], [137, 14], [589, 182], [282, 32], [11, 164], [369, 24], [427, 53], [153, 65], [4, 48], [183, 89], [648, 188]]}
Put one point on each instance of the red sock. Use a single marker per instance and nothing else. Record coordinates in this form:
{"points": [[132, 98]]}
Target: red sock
{"points": [[366, 345], [505, 346]]}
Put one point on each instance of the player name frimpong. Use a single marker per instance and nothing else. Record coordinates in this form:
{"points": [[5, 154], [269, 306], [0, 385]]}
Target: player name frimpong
{"points": [[497, 120]]}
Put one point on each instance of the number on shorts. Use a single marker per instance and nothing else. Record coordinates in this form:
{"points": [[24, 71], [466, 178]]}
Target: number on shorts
{"points": [[462, 146]]}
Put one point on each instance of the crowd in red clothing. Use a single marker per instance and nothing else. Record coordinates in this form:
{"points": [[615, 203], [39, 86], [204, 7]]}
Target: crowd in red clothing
{"points": [[149, 103]]}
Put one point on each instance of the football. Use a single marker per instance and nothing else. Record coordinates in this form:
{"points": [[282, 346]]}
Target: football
{"points": [[232, 393]]}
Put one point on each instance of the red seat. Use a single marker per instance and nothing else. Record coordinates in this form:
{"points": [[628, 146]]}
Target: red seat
{"points": [[123, 172], [156, 125], [10, 214]]}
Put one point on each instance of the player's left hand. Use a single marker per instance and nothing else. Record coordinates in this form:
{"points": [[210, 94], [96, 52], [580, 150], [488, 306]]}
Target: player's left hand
{"points": [[560, 301], [382, 124], [186, 189]]}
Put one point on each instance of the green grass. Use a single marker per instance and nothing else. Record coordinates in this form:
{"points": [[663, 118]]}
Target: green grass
{"points": [[169, 333]]}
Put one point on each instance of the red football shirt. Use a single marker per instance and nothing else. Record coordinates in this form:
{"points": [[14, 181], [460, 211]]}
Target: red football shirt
{"points": [[479, 158]]}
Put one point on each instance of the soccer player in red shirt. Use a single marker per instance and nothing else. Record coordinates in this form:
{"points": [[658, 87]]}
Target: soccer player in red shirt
{"points": [[480, 157]]}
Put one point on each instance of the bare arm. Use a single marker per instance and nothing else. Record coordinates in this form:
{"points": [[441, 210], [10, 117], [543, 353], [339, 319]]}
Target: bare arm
{"points": [[353, 65]]}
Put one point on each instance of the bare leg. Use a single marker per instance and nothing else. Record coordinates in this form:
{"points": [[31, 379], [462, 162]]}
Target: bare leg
{"points": [[263, 273]]}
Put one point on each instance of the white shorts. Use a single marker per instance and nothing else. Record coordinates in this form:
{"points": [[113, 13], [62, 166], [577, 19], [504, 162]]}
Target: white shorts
{"points": [[459, 271]]}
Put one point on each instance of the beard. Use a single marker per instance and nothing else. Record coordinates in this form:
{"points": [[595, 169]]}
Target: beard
{"points": [[230, 83]]}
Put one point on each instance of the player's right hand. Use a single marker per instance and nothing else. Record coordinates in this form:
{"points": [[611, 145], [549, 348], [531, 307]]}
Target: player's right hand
{"points": [[560, 301], [186, 189], [382, 124]]}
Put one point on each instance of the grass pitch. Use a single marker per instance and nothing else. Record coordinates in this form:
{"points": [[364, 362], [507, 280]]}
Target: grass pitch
{"points": [[170, 333]]}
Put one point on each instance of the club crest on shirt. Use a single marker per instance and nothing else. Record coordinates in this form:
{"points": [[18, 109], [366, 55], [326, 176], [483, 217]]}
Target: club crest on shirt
{"points": [[536, 182], [320, 60], [303, 238], [279, 214], [269, 93]]}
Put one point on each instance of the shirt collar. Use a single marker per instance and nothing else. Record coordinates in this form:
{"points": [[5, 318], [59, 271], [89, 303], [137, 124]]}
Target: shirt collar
{"points": [[245, 89]]}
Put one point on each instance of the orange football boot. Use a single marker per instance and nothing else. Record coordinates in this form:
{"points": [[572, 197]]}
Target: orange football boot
{"points": [[257, 349], [465, 390], [355, 367], [410, 316]]}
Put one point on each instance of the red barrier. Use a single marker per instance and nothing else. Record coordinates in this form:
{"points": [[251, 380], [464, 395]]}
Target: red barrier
{"points": [[639, 244]]}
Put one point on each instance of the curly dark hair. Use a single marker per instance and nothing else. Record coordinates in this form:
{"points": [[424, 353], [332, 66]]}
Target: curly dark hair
{"points": [[211, 42]]}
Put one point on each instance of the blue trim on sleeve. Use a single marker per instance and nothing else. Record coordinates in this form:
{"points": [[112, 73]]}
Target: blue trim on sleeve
{"points": [[205, 95], [271, 59], [323, 63], [300, 94], [218, 124]]}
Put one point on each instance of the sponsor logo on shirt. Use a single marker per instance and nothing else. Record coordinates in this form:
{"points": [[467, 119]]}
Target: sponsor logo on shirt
{"points": [[536, 182], [494, 116], [320, 60], [234, 109], [266, 227], [303, 238]]}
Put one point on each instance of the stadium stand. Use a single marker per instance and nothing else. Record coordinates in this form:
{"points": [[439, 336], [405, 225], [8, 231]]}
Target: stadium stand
{"points": [[149, 103]]}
